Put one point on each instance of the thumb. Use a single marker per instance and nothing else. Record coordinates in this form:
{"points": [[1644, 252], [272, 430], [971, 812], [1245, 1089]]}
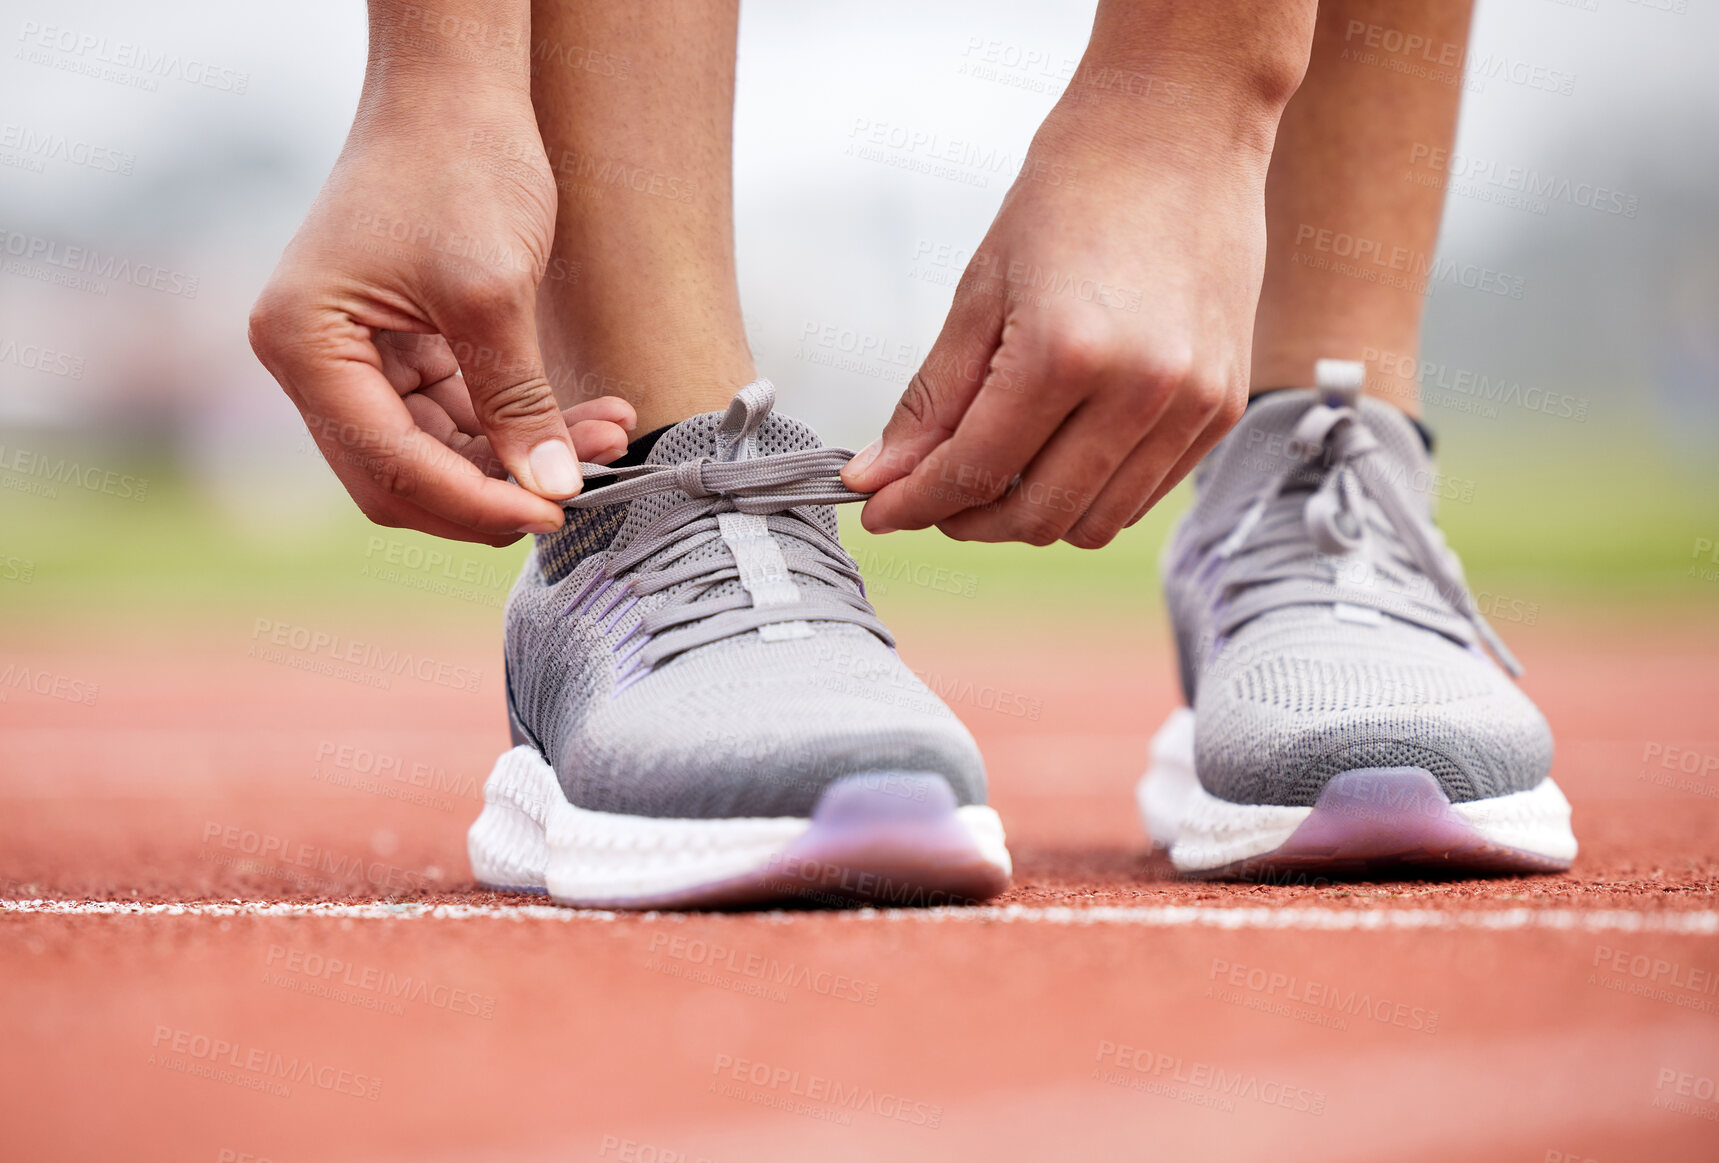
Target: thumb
{"points": [[514, 402], [935, 400]]}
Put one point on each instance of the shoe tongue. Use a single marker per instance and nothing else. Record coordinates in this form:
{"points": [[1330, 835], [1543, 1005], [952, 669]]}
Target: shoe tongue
{"points": [[748, 429], [764, 432], [1260, 446]]}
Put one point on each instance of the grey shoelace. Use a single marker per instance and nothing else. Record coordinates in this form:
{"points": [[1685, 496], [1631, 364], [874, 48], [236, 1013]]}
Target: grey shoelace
{"points": [[1391, 557], [749, 505]]}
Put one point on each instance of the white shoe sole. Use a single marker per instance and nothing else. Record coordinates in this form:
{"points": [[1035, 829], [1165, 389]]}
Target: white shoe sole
{"points": [[882, 838], [1365, 821]]}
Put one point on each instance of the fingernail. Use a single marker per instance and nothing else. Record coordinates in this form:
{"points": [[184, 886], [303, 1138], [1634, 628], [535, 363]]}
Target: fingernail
{"points": [[882, 529], [863, 458], [554, 469], [539, 527]]}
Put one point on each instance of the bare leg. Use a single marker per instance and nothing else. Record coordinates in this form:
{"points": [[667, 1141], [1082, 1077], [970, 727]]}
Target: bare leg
{"points": [[636, 107], [1344, 143]]}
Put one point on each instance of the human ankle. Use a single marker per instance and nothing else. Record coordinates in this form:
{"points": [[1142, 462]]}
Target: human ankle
{"points": [[664, 386]]}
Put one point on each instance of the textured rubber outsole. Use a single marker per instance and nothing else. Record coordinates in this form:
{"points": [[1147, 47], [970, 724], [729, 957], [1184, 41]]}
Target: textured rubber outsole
{"points": [[884, 838], [1377, 821]]}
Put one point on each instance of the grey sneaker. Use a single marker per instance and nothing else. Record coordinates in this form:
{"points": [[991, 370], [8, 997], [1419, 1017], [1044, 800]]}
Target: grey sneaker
{"points": [[705, 708], [1345, 716]]}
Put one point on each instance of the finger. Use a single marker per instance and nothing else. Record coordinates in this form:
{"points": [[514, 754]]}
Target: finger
{"points": [[435, 421], [431, 417], [939, 394], [1073, 357], [599, 441], [411, 470], [414, 360], [1060, 483], [995, 440], [481, 454], [1235, 403], [398, 515], [1144, 469], [454, 398], [610, 408], [374, 445], [494, 336]]}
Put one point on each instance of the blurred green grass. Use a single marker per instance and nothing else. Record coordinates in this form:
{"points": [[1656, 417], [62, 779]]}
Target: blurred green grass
{"points": [[1614, 524]]}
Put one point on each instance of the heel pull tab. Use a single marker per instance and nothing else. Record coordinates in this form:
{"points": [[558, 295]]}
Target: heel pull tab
{"points": [[1340, 380]]}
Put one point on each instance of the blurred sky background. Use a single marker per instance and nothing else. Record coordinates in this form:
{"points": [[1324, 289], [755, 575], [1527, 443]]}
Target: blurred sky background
{"points": [[1618, 311]]}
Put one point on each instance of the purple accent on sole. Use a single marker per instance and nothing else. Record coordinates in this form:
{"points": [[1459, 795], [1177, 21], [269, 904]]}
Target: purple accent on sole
{"points": [[1386, 820], [886, 839]]}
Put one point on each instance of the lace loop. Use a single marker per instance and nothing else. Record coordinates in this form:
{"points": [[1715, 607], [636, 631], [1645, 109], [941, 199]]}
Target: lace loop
{"points": [[1406, 569], [689, 477]]}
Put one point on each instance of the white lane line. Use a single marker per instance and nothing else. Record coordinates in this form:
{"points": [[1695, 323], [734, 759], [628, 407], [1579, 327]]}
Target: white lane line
{"points": [[1702, 923]]}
